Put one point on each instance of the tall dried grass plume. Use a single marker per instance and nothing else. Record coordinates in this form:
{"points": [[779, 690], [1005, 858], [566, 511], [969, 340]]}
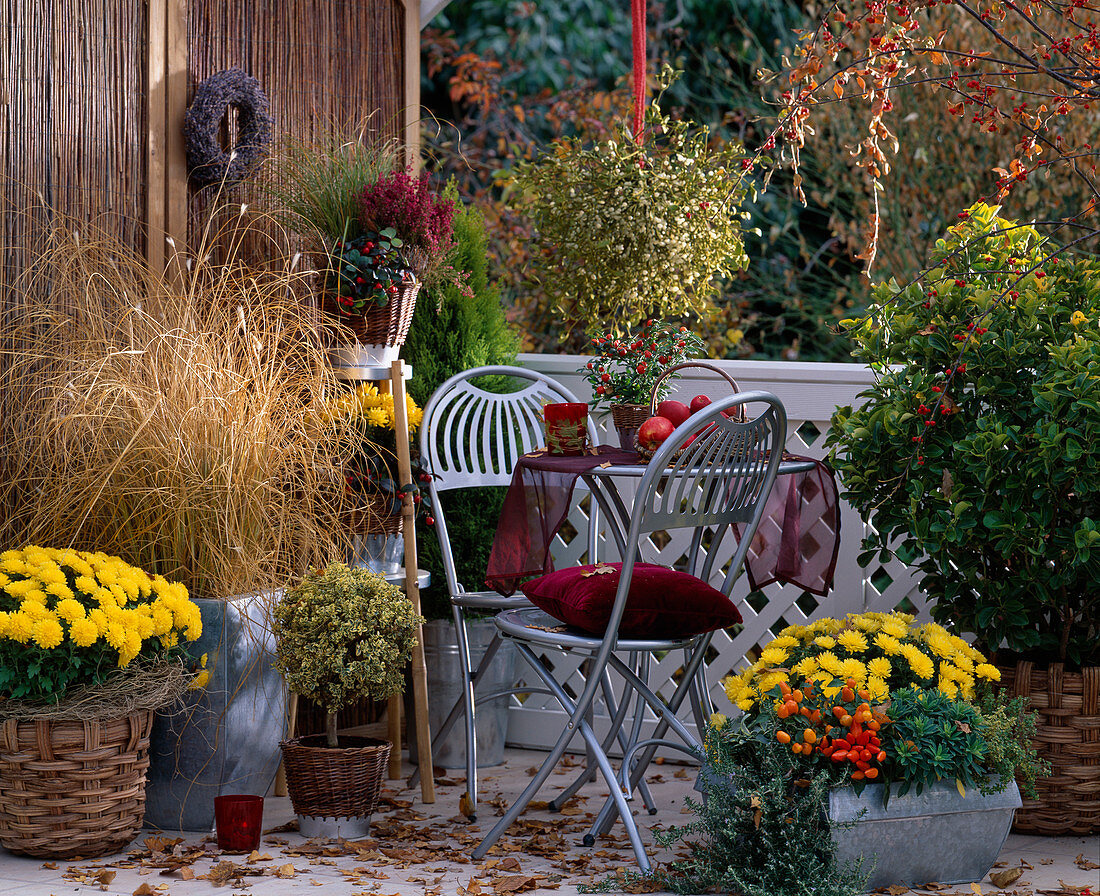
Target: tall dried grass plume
{"points": [[174, 420]]}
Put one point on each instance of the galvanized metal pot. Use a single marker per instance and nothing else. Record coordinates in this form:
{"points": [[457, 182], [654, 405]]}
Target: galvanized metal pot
{"points": [[937, 835], [445, 676], [225, 738]]}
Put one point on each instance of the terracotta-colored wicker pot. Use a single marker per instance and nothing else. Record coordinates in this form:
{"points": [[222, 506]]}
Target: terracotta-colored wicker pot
{"points": [[386, 325], [335, 782], [1068, 737], [73, 789], [627, 418]]}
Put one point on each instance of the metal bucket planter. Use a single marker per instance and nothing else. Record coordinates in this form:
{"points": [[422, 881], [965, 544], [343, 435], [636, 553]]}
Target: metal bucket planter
{"points": [[445, 676], [225, 738], [937, 835]]}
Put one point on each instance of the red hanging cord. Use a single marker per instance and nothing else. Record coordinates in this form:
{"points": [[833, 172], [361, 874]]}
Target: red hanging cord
{"points": [[637, 18]]}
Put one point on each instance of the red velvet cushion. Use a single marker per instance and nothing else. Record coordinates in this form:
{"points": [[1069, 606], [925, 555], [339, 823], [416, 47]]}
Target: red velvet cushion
{"points": [[663, 603]]}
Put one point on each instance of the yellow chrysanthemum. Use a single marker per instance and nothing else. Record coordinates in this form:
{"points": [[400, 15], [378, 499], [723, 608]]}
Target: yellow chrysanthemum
{"points": [[35, 609], [771, 680], [866, 622], [877, 688], [806, 667], [988, 672], [774, 656], [799, 632], [879, 667], [162, 620], [170, 640], [48, 633], [853, 668], [718, 721], [825, 642], [887, 643], [20, 587], [60, 590], [894, 627], [921, 665], [947, 686], [829, 663], [20, 626], [5, 623], [99, 619], [83, 632], [852, 641], [116, 636], [70, 609]]}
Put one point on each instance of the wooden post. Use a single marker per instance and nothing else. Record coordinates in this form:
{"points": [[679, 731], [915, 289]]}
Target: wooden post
{"points": [[412, 587], [156, 140], [165, 156], [175, 174], [411, 93]]}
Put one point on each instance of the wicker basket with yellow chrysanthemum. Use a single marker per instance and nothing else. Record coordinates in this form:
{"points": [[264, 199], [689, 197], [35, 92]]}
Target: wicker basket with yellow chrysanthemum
{"points": [[372, 474], [887, 700], [89, 648]]}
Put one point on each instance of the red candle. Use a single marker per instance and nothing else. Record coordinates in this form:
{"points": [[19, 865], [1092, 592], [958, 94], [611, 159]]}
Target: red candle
{"points": [[566, 427], [239, 822]]}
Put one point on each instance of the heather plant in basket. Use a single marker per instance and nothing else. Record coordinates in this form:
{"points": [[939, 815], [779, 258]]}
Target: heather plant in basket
{"points": [[404, 233]]}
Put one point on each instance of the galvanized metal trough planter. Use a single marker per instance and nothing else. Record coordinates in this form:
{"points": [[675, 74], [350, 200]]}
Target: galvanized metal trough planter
{"points": [[937, 835]]}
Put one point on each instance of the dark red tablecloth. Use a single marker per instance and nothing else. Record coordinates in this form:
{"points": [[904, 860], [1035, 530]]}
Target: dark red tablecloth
{"points": [[796, 543]]}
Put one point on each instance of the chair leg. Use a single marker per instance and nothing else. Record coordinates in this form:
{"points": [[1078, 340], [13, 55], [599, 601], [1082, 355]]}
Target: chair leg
{"points": [[458, 709], [576, 712]]}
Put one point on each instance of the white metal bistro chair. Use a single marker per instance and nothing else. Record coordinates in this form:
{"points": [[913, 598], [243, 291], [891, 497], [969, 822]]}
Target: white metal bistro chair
{"points": [[720, 480], [472, 437]]}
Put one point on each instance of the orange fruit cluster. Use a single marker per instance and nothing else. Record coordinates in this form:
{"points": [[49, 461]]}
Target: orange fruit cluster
{"points": [[842, 730]]}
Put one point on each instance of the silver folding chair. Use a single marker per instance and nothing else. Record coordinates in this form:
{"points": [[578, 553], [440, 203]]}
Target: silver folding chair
{"points": [[720, 480], [472, 437]]}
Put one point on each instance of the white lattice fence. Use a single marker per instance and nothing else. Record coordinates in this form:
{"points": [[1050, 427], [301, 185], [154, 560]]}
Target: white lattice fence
{"points": [[809, 392]]}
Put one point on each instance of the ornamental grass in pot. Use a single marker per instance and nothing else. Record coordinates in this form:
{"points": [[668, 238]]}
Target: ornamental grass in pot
{"points": [[90, 647], [342, 633], [177, 423], [976, 455], [854, 729]]}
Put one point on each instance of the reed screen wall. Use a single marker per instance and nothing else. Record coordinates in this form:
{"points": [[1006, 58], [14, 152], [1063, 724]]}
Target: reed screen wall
{"points": [[95, 92]]}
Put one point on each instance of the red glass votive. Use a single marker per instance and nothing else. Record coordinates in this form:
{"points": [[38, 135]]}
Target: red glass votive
{"points": [[239, 822], [566, 427]]}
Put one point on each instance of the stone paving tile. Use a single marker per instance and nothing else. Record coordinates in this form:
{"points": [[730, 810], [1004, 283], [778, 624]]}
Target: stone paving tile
{"points": [[418, 850]]}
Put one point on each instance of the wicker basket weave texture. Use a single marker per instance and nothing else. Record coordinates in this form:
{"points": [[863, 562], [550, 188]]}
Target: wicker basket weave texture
{"points": [[1068, 737], [73, 789], [387, 325], [335, 782]]}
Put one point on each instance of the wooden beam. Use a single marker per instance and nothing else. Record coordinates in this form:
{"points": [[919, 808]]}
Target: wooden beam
{"points": [[411, 93], [156, 136], [175, 177]]}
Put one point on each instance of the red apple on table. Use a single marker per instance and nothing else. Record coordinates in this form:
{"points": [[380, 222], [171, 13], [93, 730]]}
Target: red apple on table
{"points": [[654, 431], [673, 410], [698, 403]]}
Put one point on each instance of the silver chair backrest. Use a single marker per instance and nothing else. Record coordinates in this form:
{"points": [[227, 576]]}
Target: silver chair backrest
{"points": [[473, 437], [722, 478]]}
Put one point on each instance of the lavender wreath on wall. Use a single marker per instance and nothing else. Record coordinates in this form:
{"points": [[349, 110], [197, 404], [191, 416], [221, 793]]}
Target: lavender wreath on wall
{"points": [[207, 162]]}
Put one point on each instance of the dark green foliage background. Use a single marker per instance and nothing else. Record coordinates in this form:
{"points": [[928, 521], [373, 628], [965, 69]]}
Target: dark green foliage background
{"points": [[450, 333]]}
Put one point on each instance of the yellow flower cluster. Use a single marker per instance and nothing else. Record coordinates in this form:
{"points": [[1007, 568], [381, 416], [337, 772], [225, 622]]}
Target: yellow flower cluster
{"points": [[881, 651], [64, 598], [374, 407]]}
